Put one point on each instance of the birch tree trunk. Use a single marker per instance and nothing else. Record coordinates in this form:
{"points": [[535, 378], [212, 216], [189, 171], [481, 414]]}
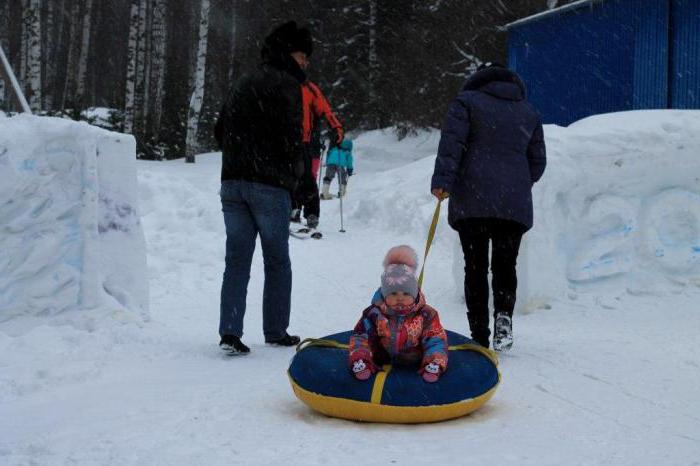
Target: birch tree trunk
{"points": [[4, 44], [157, 74], [34, 55], [129, 95], [372, 58], [84, 53], [199, 75]]}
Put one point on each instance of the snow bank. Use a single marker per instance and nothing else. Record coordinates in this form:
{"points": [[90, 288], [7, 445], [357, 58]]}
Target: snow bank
{"points": [[70, 236], [618, 208], [100, 116]]}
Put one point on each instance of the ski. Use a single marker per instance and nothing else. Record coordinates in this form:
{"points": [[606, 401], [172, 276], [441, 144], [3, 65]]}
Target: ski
{"points": [[305, 233]]}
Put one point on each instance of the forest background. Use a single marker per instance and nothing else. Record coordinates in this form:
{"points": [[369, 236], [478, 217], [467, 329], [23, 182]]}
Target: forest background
{"points": [[160, 69]]}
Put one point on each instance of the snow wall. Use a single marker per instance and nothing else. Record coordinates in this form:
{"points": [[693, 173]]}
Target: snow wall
{"points": [[617, 210], [70, 231]]}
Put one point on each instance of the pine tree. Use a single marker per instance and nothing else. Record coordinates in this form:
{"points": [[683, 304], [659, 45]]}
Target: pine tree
{"points": [[142, 70], [71, 70], [373, 62], [83, 56]]}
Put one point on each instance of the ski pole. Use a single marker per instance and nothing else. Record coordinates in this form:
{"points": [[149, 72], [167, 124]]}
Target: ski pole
{"points": [[320, 167], [342, 230]]}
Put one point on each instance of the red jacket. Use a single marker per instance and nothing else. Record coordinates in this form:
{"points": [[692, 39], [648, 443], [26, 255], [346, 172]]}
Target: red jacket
{"points": [[315, 106]]}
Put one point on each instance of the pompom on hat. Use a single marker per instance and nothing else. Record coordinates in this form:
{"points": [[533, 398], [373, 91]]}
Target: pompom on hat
{"points": [[400, 271]]}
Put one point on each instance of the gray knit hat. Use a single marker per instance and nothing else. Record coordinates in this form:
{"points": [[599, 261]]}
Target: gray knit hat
{"points": [[400, 271]]}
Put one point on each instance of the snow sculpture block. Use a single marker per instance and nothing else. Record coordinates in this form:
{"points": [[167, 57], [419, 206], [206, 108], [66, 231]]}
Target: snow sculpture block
{"points": [[618, 208], [70, 233]]}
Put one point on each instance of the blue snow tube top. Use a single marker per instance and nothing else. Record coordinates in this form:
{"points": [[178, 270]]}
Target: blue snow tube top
{"points": [[321, 379]]}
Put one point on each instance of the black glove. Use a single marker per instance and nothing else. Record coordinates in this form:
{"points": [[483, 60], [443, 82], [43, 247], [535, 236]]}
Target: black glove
{"points": [[350, 171]]}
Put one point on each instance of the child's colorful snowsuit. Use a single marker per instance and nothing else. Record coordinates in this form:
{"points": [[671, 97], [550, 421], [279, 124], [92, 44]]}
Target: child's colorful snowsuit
{"points": [[339, 160], [412, 337]]}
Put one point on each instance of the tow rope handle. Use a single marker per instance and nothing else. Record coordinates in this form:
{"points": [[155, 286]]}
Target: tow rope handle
{"points": [[429, 241]]}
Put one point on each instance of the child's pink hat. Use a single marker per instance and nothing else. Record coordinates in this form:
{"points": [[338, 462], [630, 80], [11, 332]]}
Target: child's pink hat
{"points": [[400, 271]]}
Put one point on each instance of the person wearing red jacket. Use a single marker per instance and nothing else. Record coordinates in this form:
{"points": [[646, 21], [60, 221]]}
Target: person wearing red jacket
{"points": [[315, 106]]}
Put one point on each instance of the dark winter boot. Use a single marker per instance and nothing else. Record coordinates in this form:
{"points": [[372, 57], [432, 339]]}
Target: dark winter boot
{"points": [[286, 340], [312, 221], [233, 345], [479, 327], [503, 333]]}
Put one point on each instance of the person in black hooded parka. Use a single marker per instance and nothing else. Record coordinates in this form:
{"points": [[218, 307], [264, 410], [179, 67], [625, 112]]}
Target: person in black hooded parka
{"points": [[260, 133], [490, 154]]}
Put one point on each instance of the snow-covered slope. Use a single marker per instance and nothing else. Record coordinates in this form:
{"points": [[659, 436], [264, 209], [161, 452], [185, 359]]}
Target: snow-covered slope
{"points": [[598, 374]]}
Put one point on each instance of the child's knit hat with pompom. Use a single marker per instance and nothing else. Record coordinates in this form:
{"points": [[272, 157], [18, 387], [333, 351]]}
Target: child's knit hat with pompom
{"points": [[400, 271]]}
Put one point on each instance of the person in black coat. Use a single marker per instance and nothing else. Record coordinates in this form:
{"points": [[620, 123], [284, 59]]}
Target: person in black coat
{"points": [[491, 152], [260, 134]]}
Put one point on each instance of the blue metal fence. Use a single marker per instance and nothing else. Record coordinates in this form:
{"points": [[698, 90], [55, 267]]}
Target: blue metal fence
{"points": [[602, 56]]}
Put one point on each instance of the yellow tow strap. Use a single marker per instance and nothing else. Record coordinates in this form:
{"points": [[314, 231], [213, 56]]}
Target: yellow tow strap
{"points": [[305, 343], [378, 387], [429, 241]]}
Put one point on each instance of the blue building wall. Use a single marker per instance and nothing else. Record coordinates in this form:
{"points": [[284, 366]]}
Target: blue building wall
{"points": [[610, 55], [685, 54]]}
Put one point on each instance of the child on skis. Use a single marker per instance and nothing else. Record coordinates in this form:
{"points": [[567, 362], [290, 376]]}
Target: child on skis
{"points": [[399, 327], [339, 160]]}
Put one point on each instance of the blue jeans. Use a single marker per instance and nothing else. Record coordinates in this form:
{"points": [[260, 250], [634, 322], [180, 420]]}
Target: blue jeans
{"points": [[251, 209]]}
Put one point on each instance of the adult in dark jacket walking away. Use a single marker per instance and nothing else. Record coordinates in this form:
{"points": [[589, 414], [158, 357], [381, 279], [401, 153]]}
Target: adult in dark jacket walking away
{"points": [[490, 154], [260, 133]]}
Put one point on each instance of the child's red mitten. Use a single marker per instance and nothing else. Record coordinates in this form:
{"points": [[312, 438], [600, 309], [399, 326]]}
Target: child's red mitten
{"points": [[431, 372]]}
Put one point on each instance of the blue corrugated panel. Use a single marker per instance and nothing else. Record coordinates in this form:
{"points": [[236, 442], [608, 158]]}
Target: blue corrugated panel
{"points": [[580, 62], [651, 55], [685, 53]]}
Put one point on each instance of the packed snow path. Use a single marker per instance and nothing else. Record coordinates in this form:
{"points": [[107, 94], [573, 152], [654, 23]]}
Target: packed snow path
{"points": [[596, 376]]}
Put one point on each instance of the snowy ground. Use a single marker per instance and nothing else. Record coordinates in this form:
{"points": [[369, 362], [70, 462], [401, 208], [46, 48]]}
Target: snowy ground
{"points": [[596, 376]]}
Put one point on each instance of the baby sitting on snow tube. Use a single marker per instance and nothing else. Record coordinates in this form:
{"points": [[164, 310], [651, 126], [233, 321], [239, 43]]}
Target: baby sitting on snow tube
{"points": [[399, 328], [397, 357]]}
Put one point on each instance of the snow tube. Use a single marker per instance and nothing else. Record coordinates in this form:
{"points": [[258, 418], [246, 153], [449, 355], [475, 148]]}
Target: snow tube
{"points": [[320, 378]]}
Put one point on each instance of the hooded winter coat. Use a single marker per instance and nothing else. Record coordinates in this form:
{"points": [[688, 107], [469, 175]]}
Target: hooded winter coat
{"points": [[491, 150], [384, 335], [341, 155], [260, 126]]}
